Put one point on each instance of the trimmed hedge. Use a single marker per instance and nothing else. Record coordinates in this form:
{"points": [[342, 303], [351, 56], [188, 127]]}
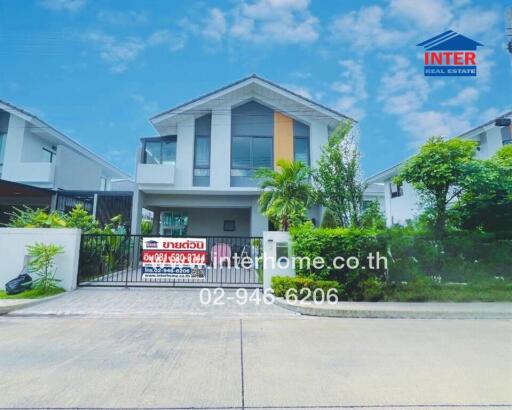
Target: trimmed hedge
{"points": [[312, 242], [281, 284]]}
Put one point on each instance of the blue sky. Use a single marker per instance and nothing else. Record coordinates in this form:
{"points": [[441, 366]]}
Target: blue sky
{"points": [[97, 70]]}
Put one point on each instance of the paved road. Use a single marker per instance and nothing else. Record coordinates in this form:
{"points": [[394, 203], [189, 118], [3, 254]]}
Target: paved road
{"points": [[253, 359]]}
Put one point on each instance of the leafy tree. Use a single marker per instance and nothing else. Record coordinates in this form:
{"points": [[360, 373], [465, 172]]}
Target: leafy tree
{"points": [[486, 203], [438, 173], [338, 177], [372, 217], [286, 193]]}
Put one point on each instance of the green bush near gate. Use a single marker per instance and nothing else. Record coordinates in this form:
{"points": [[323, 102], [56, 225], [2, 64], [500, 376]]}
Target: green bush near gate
{"points": [[281, 285], [310, 242]]}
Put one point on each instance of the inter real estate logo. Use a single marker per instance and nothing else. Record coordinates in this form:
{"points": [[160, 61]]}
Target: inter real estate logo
{"points": [[450, 54]]}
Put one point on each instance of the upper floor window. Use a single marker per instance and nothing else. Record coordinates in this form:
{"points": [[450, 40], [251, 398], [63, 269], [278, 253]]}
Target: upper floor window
{"points": [[160, 150], [247, 155], [202, 151], [48, 155], [301, 142], [396, 190], [252, 130], [506, 136]]}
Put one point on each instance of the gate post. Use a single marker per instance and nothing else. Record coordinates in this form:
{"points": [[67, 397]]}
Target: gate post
{"points": [[277, 256]]}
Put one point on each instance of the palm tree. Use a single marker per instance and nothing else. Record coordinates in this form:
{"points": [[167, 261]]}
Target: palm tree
{"points": [[286, 193]]}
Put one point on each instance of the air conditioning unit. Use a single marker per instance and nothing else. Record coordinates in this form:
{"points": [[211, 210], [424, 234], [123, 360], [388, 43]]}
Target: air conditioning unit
{"points": [[502, 122]]}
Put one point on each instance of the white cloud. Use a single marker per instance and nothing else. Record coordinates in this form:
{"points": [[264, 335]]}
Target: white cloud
{"points": [[352, 89], [118, 53], [364, 30], [465, 96], [122, 18], [215, 25], [147, 106], [64, 5], [425, 14], [476, 22], [277, 21], [421, 125], [165, 37]]}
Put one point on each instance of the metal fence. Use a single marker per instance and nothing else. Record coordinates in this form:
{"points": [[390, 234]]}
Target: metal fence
{"points": [[116, 260]]}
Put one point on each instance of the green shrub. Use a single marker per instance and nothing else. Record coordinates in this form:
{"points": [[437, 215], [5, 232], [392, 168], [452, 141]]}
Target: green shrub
{"points": [[372, 217], [372, 289], [340, 242], [328, 221], [281, 285]]}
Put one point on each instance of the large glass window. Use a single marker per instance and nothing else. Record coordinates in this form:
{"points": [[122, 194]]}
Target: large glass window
{"points": [[301, 149], [159, 150], [247, 155], [506, 135], [202, 161]]}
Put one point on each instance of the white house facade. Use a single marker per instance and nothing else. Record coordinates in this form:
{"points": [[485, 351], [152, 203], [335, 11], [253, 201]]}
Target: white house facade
{"points": [[34, 153], [401, 203], [196, 174]]}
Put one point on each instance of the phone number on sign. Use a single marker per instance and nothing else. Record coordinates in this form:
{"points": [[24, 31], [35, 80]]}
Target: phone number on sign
{"points": [[243, 296]]}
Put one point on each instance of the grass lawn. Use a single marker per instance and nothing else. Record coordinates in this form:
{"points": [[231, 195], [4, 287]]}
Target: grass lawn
{"points": [[472, 292], [31, 294]]}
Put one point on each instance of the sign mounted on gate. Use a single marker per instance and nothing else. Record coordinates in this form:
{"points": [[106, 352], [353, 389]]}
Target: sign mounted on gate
{"points": [[174, 258]]}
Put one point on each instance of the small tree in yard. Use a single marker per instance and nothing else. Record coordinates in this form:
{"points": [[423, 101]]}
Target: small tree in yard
{"points": [[438, 172], [286, 193], [338, 177], [42, 264]]}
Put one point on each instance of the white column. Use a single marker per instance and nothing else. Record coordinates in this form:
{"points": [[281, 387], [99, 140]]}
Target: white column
{"points": [[13, 148], [137, 204], [271, 240], [185, 153], [259, 223], [220, 166], [318, 135]]}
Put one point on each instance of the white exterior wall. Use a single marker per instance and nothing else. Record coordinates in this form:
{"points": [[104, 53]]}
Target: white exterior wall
{"points": [[401, 208], [220, 149], [72, 169], [13, 242]]}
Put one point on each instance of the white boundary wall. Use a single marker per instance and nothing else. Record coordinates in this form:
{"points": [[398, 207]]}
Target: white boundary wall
{"points": [[13, 242], [270, 240]]}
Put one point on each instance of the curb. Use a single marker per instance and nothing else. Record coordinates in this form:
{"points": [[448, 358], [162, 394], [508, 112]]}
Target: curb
{"points": [[23, 303], [308, 310]]}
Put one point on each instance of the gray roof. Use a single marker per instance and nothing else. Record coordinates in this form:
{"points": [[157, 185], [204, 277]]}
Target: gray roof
{"points": [[253, 76]]}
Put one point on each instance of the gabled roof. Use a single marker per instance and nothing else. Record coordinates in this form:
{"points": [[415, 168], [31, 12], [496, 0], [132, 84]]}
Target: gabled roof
{"points": [[391, 171], [245, 81], [40, 124], [450, 40]]}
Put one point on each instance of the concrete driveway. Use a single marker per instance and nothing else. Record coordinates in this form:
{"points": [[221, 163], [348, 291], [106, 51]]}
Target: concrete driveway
{"points": [[253, 360]]}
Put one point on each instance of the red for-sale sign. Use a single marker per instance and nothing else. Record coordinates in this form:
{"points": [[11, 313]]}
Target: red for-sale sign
{"points": [[174, 258]]}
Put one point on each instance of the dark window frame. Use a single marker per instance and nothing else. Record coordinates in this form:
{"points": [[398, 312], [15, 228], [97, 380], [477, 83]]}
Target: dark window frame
{"points": [[399, 190], [295, 137], [167, 138], [53, 154], [252, 138]]}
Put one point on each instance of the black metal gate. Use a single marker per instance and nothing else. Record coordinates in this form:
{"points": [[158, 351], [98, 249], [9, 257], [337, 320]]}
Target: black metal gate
{"points": [[116, 260]]}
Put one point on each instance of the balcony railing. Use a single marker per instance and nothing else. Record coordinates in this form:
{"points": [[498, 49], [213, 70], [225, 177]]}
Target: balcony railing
{"points": [[156, 174]]}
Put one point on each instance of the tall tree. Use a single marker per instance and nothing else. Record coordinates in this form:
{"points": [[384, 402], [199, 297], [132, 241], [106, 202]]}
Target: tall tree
{"points": [[286, 193], [338, 179], [487, 199], [439, 174]]}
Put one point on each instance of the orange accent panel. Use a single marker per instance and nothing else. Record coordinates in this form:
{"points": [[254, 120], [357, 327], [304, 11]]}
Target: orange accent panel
{"points": [[283, 137]]}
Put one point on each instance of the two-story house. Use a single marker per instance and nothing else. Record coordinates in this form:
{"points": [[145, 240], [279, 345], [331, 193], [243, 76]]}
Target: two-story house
{"points": [[197, 174], [402, 202], [34, 153]]}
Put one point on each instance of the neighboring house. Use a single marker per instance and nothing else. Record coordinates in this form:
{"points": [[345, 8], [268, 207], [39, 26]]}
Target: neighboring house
{"points": [[402, 202], [196, 175], [34, 153]]}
